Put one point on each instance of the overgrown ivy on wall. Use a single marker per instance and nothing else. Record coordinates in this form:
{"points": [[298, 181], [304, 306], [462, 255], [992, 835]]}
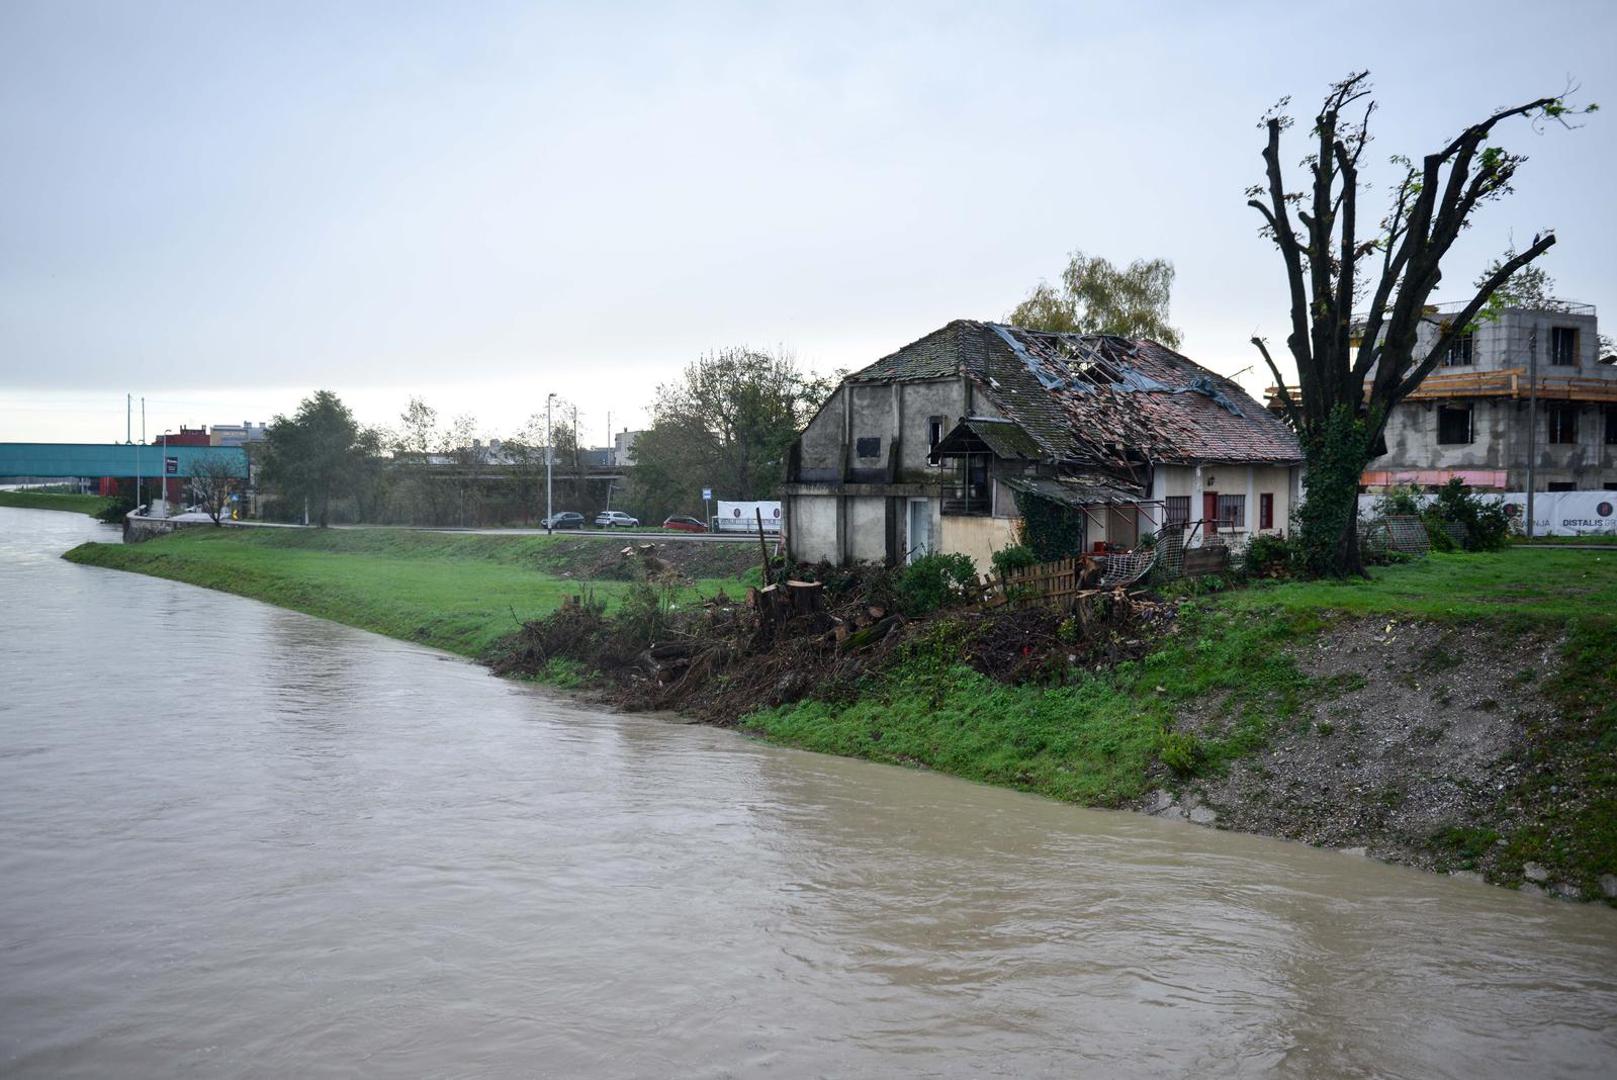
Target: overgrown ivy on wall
{"points": [[1052, 530]]}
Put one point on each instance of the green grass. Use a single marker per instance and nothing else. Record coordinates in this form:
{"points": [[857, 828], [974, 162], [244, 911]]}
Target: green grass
{"points": [[1542, 587], [1092, 741], [39, 500], [1602, 539], [457, 592]]}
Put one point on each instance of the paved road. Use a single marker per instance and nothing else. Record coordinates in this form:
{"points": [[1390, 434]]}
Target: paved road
{"points": [[621, 535]]}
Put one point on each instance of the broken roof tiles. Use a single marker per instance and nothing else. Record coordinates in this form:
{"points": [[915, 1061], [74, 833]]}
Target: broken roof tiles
{"points": [[1098, 399]]}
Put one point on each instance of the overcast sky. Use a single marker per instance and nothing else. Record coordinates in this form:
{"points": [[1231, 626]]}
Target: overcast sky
{"points": [[224, 206]]}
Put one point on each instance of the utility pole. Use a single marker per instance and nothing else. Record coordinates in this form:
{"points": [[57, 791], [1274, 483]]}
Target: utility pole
{"points": [[550, 454], [1532, 421], [162, 485], [140, 481]]}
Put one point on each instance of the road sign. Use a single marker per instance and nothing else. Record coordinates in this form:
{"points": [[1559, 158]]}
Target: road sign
{"points": [[707, 494]]}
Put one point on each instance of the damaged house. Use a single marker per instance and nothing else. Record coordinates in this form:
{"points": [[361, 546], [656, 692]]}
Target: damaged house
{"points": [[931, 449]]}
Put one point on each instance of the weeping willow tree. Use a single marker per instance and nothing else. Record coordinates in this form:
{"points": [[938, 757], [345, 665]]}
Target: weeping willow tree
{"points": [[1098, 297], [1352, 371]]}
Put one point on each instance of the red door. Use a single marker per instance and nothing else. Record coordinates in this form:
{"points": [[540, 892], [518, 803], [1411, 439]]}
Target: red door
{"points": [[1210, 510]]}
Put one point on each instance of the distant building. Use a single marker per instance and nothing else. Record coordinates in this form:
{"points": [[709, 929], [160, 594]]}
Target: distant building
{"points": [[623, 447], [184, 437], [237, 434], [1470, 419]]}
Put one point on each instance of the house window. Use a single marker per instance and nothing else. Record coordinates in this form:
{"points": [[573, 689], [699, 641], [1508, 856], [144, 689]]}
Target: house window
{"points": [[1176, 510], [1232, 511], [934, 435], [868, 447], [1564, 346], [1460, 350], [1563, 420], [1561, 485], [1454, 423], [1266, 511], [1611, 426]]}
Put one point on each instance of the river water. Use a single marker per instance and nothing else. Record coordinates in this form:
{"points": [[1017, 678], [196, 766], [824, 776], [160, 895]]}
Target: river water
{"points": [[236, 841]]}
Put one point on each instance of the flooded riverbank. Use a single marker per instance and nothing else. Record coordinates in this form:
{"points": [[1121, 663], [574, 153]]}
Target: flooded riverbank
{"points": [[237, 841]]}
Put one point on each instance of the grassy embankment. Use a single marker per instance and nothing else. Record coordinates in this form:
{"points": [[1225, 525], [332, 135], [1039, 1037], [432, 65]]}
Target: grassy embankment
{"points": [[41, 500], [1099, 740], [458, 592]]}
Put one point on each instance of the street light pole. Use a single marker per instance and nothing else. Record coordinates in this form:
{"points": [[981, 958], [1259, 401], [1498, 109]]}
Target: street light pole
{"points": [[550, 454]]}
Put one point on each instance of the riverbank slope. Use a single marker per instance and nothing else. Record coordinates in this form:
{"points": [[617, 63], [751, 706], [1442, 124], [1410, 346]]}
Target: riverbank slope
{"points": [[45, 500], [460, 592], [1458, 713]]}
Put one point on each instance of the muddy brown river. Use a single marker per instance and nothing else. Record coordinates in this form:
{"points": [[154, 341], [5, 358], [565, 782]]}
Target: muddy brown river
{"points": [[239, 842]]}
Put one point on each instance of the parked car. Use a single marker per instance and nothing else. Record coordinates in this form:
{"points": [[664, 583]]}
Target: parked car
{"points": [[608, 519], [681, 523], [563, 519]]}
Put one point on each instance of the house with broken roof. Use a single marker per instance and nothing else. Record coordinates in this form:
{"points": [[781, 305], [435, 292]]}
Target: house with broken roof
{"points": [[934, 447]]}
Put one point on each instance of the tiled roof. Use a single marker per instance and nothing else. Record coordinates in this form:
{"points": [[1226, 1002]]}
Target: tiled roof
{"points": [[1098, 399]]}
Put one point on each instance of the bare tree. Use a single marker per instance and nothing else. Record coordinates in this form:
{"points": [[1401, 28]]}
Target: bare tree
{"points": [[212, 481], [1346, 398]]}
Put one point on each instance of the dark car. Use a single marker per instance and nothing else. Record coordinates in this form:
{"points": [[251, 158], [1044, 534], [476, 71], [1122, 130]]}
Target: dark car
{"points": [[681, 523], [563, 519]]}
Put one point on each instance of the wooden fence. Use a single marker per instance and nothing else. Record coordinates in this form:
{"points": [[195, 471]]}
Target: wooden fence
{"points": [[1050, 582]]}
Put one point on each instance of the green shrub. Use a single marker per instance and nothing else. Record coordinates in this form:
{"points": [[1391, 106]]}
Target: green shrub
{"points": [[1182, 753], [1269, 555], [935, 581], [642, 615], [116, 510], [1016, 557], [1486, 528]]}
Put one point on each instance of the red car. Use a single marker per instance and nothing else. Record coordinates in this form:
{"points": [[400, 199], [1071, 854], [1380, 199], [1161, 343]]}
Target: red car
{"points": [[681, 523]]}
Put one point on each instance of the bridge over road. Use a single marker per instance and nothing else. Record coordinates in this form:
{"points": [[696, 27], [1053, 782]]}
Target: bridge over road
{"points": [[68, 460]]}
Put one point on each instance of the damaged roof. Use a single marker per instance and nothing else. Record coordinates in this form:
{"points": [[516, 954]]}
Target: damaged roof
{"points": [[1079, 491], [1095, 398], [1001, 437]]}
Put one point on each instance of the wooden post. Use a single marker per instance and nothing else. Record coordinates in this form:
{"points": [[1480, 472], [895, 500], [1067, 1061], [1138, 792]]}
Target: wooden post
{"points": [[763, 547]]}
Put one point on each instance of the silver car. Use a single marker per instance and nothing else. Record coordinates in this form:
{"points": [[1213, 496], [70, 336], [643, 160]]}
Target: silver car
{"points": [[607, 519]]}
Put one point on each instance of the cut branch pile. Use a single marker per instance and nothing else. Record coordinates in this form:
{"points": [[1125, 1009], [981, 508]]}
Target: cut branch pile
{"points": [[794, 640]]}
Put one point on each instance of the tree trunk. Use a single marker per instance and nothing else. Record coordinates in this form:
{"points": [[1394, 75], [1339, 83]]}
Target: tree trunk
{"points": [[1328, 519]]}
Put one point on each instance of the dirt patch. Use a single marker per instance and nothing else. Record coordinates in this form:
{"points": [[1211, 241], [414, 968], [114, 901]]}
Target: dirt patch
{"points": [[1412, 744], [608, 560]]}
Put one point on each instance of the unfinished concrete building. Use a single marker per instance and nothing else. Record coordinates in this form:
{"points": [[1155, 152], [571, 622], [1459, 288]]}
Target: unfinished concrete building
{"points": [[930, 448], [1472, 418]]}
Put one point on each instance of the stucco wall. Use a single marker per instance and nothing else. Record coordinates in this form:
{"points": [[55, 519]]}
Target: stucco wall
{"points": [[1249, 480], [811, 527], [978, 537], [820, 445], [867, 529]]}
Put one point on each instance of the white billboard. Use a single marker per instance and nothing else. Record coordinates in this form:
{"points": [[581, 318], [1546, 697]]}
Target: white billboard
{"points": [[1556, 513], [743, 517]]}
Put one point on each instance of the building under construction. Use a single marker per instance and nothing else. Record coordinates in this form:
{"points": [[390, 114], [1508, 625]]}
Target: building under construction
{"points": [[1529, 386]]}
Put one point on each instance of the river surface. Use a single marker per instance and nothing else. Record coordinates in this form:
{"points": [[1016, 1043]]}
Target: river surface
{"points": [[238, 842]]}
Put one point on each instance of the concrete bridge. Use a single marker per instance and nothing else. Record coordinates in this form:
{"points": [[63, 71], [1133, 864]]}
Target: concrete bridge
{"points": [[67, 460]]}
